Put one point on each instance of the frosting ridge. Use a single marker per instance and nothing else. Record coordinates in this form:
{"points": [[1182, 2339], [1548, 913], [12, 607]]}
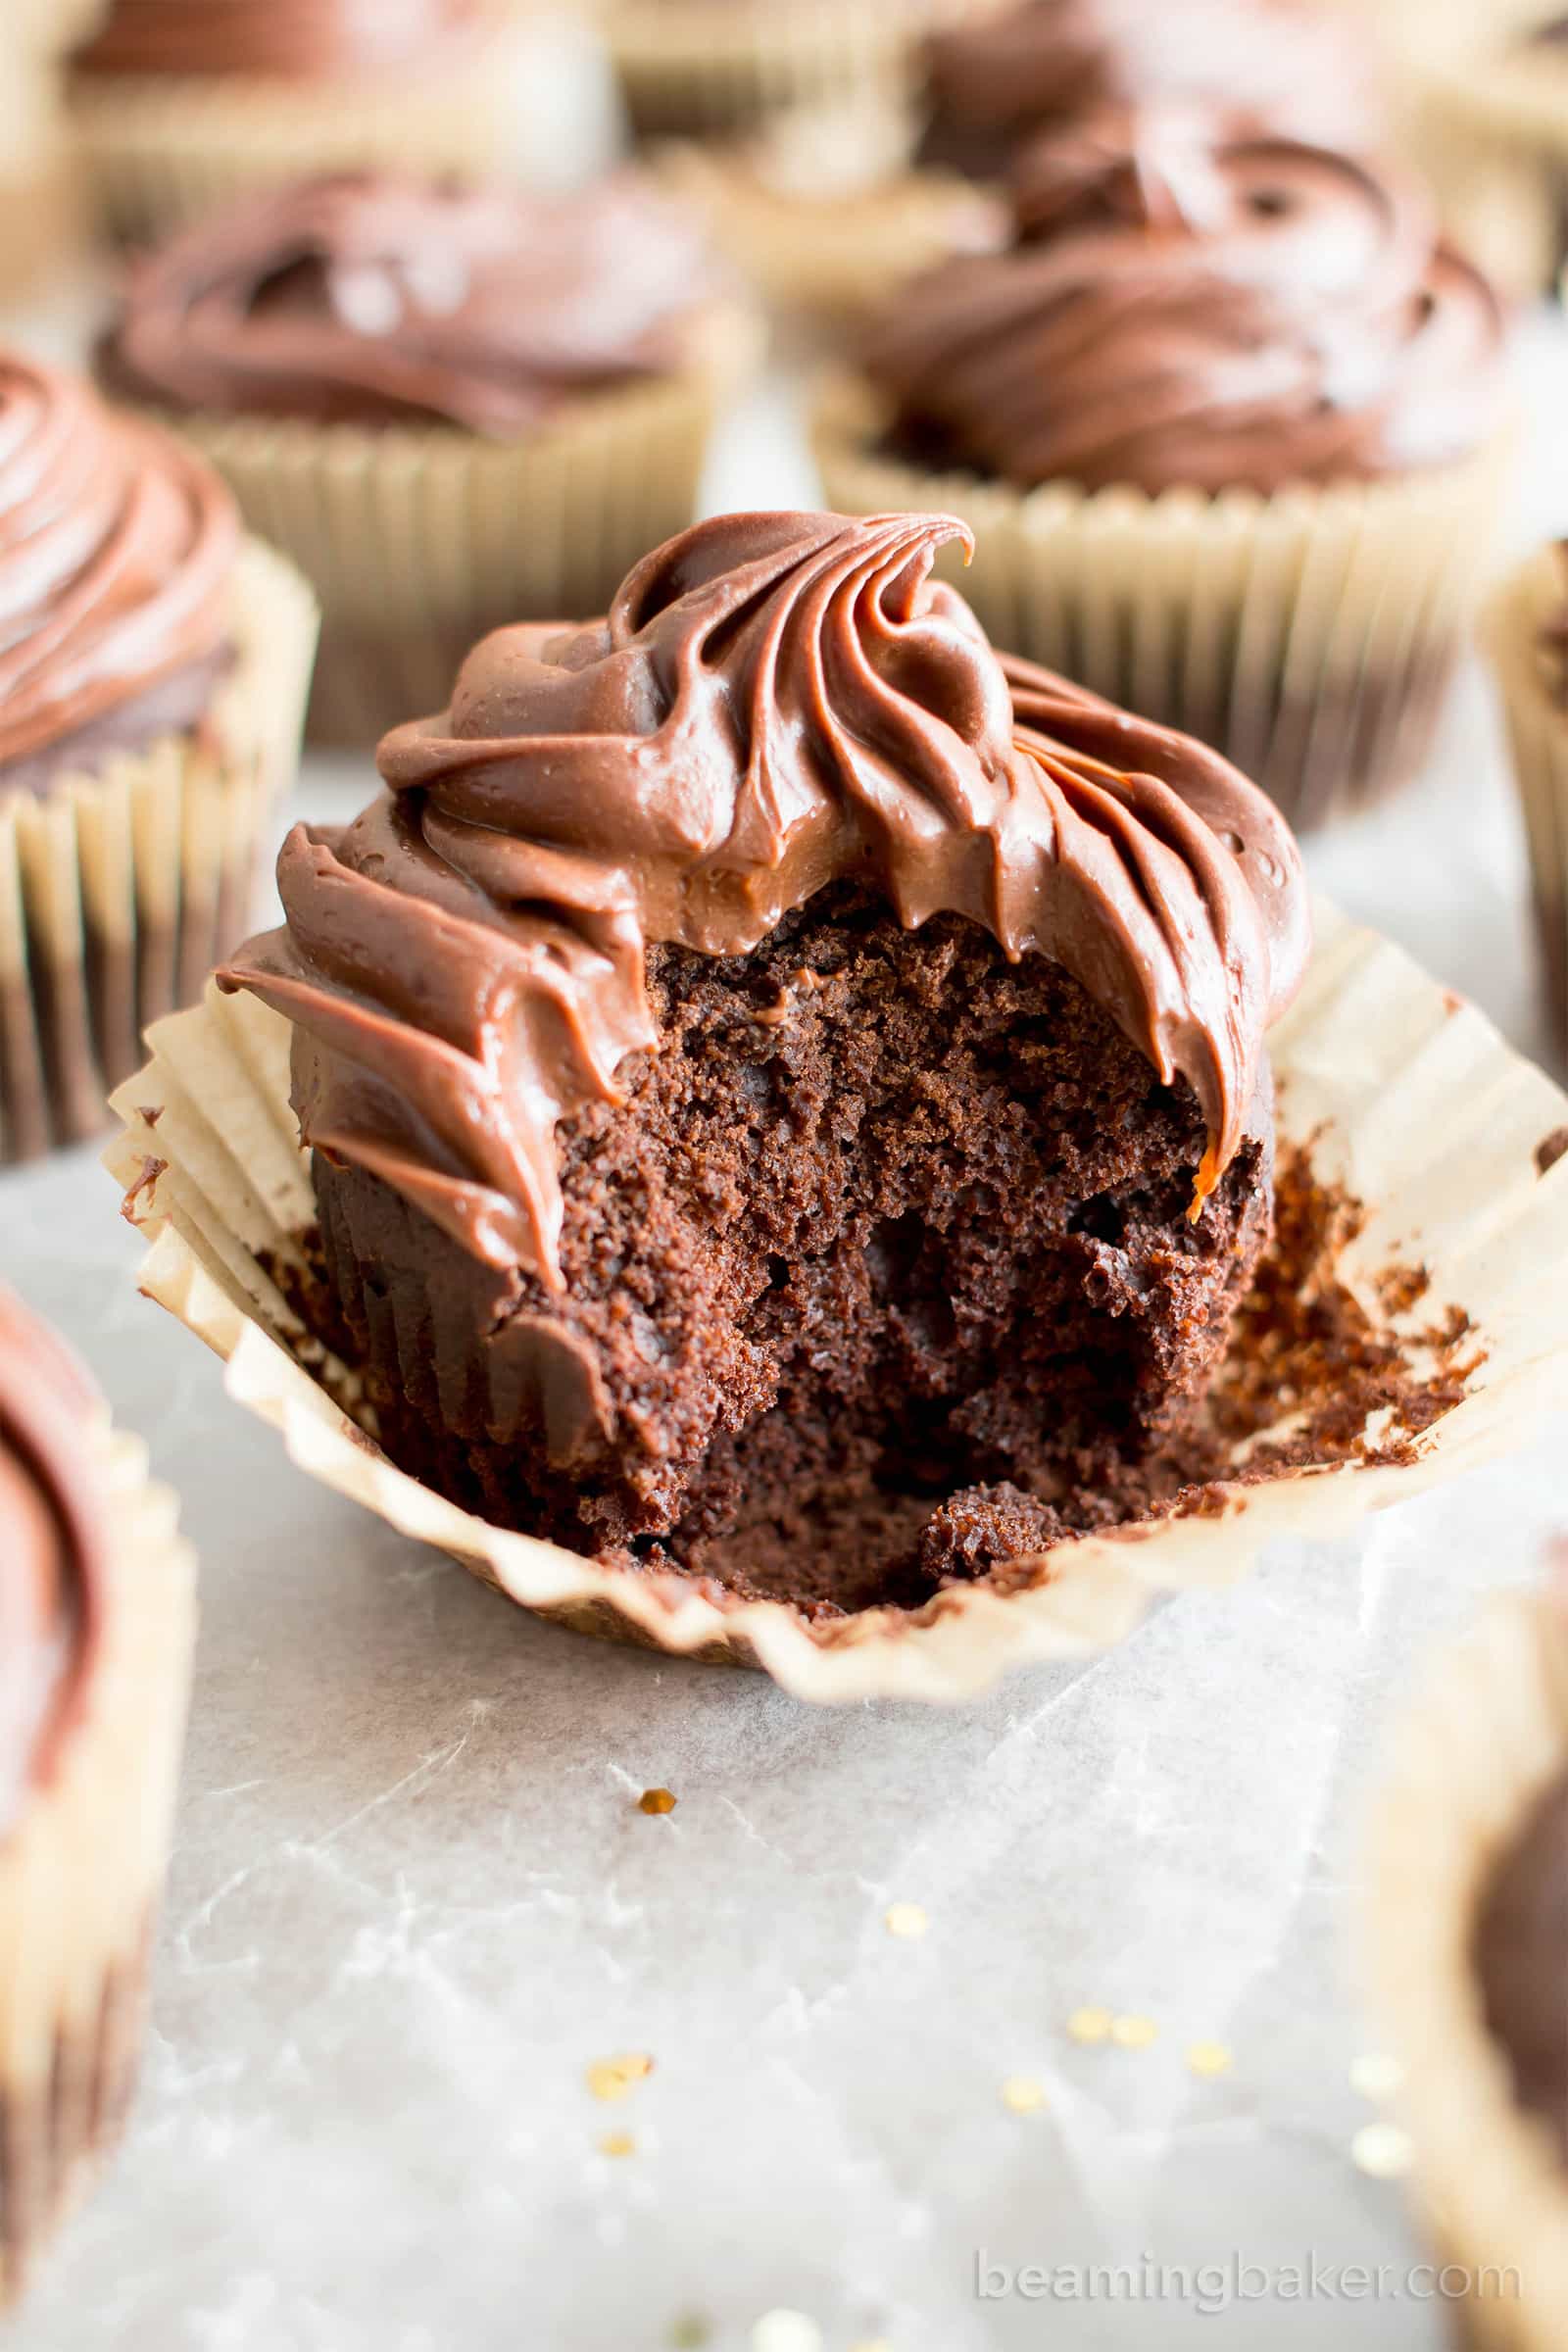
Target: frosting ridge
{"points": [[774, 702]]}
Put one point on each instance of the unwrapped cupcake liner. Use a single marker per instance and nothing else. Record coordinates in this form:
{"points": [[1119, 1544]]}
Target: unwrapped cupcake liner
{"points": [[687, 68], [82, 1868], [1393, 1089], [1487, 1738], [1312, 636], [161, 150], [119, 890], [419, 539], [1537, 734]]}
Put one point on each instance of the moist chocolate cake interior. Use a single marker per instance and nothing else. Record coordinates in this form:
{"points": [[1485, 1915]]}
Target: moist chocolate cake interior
{"points": [[885, 1265]]}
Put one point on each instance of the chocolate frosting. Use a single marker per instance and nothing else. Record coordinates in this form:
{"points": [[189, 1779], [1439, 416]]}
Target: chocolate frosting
{"points": [[374, 298], [1521, 1952], [52, 1539], [999, 78], [775, 702], [1191, 306], [297, 38], [117, 545]]}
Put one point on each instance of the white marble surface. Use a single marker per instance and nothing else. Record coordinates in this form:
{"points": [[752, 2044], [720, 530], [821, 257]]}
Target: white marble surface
{"points": [[413, 1898]]}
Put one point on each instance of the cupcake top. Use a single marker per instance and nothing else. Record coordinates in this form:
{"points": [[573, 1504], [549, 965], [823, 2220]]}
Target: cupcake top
{"points": [[775, 701], [370, 299], [299, 39], [1188, 304], [999, 78], [1521, 1953], [116, 546], [52, 1540]]}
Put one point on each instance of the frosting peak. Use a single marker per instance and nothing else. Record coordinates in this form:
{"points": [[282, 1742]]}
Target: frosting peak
{"points": [[774, 702]]}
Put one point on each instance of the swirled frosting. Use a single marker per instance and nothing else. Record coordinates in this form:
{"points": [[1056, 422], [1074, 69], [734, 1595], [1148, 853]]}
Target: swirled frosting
{"points": [[1189, 306], [295, 38], [51, 1538], [373, 299], [1001, 79], [116, 549], [775, 702]]}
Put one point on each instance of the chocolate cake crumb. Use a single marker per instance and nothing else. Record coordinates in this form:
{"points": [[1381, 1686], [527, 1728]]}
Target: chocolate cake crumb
{"points": [[1550, 1150]]}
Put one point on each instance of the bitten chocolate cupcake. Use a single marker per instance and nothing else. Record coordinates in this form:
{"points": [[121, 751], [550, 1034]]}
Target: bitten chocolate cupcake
{"points": [[787, 1089], [152, 678], [999, 80], [1228, 421], [96, 1604], [178, 109], [453, 407], [1526, 637]]}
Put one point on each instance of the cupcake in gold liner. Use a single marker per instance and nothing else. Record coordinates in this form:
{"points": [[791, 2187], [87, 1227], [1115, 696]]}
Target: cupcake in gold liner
{"points": [[177, 111], [1526, 637], [695, 68], [1466, 1946], [452, 408], [792, 1170], [151, 693], [99, 1608], [1229, 426]]}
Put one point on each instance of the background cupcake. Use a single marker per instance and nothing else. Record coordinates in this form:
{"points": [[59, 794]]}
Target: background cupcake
{"points": [[97, 1595], [39, 216], [452, 408], [717, 68], [1228, 421], [177, 108], [151, 685], [1527, 640]]}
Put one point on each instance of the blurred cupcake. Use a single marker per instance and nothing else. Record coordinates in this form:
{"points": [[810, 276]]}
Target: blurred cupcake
{"points": [[1527, 640], [96, 1591], [995, 82], [39, 218], [152, 677], [178, 109], [452, 408], [715, 67], [1229, 424], [1488, 120], [1467, 1941]]}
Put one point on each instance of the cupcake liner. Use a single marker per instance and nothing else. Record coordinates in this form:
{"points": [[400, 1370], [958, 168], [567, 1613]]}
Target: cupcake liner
{"points": [[1537, 734], [119, 890], [1312, 636], [162, 150], [688, 67], [1392, 1087], [82, 1869], [419, 539], [1490, 1733]]}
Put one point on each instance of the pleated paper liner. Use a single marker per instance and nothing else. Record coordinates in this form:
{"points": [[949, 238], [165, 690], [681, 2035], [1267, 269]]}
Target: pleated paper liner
{"points": [[1538, 735], [1487, 1737], [162, 151], [118, 891], [1390, 1087], [419, 539], [688, 68], [81, 1872], [1312, 635]]}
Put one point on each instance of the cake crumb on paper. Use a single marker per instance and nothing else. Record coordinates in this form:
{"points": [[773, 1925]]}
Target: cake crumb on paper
{"points": [[612, 2079], [657, 1800], [906, 1920]]}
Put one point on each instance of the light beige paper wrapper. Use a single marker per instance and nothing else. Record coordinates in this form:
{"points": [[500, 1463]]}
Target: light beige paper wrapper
{"points": [[162, 151], [1537, 733], [692, 68], [419, 539], [1411, 1101], [1489, 1736], [118, 891], [1312, 636], [82, 1870]]}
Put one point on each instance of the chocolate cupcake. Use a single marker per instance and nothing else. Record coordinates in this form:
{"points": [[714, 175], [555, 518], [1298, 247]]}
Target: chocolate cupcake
{"points": [[706, 67], [997, 82], [787, 1089], [151, 687], [1228, 421], [178, 110], [453, 407], [97, 1591], [1468, 1952], [1488, 120], [1526, 636]]}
